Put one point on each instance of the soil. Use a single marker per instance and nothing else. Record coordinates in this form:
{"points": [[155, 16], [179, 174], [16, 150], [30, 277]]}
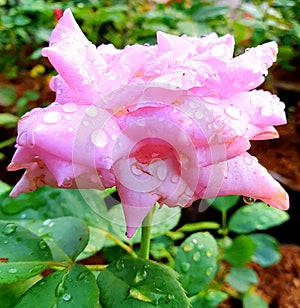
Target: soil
{"points": [[279, 284]]}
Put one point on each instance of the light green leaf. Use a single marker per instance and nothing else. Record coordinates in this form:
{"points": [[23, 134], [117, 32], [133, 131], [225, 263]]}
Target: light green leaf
{"points": [[208, 298], [241, 278], [196, 261], [8, 120], [140, 283], [23, 254], [267, 249], [76, 287], [251, 300], [257, 216]]}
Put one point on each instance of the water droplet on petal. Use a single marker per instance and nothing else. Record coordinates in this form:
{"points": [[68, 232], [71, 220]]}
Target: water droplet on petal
{"points": [[233, 112], [140, 276], [63, 35], [218, 50], [67, 297], [22, 138], [161, 172], [91, 111], [199, 115], [70, 129], [214, 99], [52, 117], [136, 169], [85, 82], [112, 76], [99, 138], [248, 200], [238, 81], [247, 160], [266, 111], [67, 182], [185, 266], [174, 179], [69, 107], [9, 229]]}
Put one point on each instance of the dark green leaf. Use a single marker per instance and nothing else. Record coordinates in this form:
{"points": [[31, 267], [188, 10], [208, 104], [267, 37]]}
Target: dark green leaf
{"points": [[48, 202], [196, 261], [240, 251], [267, 250], [23, 254], [140, 283], [241, 278], [76, 287], [64, 235], [251, 300], [257, 216]]}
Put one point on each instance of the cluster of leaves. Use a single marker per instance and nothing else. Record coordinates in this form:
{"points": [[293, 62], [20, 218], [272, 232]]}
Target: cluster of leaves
{"points": [[26, 25], [47, 237]]}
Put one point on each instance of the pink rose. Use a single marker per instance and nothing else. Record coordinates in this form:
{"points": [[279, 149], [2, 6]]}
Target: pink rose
{"points": [[169, 123]]}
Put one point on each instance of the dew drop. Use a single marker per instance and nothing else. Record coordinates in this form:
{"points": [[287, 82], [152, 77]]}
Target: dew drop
{"points": [[218, 51], [195, 241], [233, 112], [67, 182], [161, 172], [170, 296], [99, 138], [112, 76], [185, 266], [212, 99], [12, 270], [188, 247], [69, 107], [248, 200], [174, 179], [42, 244], [9, 229], [63, 35], [238, 81], [67, 297], [199, 115], [247, 160], [208, 271], [266, 111], [120, 265], [196, 256], [70, 129], [140, 276], [91, 111], [136, 170], [5, 242], [85, 82], [52, 117], [22, 138], [82, 275], [208, 253]]}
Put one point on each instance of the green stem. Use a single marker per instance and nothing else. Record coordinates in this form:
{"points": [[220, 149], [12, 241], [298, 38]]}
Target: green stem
{"points": [[120, 243], [146, 234]]}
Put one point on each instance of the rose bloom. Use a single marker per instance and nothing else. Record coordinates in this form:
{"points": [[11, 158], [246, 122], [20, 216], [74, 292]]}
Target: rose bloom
{"points": [[169, 123]]}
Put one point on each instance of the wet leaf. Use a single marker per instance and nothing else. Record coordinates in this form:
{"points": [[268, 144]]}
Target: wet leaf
{"points": [[74, 287], [196, 261], [251, 300], [140, 283], [66, 236], [22, 253], [257, 216]]}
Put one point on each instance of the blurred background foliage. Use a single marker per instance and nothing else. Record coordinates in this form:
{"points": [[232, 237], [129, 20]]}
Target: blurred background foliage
{"points": [[25, 25]]}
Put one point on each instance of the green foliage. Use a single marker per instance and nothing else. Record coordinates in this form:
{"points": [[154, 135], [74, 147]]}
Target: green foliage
{"points": [[140, 283], [44, 235]]}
